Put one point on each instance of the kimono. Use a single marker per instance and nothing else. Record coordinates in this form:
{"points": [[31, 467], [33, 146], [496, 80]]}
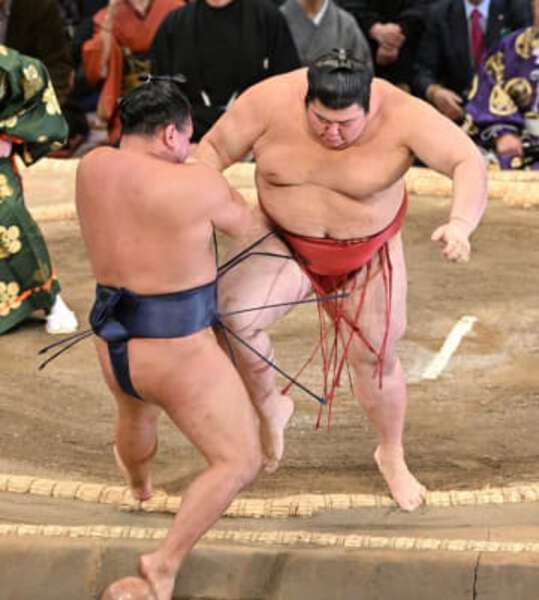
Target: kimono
{"points": [[132, 36], [505, 98], [337, 29], [30, 118]]}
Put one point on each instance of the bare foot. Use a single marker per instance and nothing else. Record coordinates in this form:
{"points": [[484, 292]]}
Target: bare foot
{"points": [[129, 588], [138, 477], [407, 492], [160, 577], [274, 412]]}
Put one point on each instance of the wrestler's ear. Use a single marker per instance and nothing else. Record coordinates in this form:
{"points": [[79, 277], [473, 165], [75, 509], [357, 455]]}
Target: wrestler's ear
{"points": [[169, 134]]}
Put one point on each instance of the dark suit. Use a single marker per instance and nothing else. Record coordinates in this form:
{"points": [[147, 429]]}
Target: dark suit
{"points": [[409, 14], [444, 57], [222, 52], [36, 28]]}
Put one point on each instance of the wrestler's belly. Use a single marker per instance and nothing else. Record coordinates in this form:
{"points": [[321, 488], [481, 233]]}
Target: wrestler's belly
{"points": [[319, 212]]}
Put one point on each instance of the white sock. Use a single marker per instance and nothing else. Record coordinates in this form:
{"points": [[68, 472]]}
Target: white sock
{"points": [[61, 319]]}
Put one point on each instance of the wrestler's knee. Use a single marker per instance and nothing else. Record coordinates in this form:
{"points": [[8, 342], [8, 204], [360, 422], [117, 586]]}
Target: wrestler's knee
{"points": [[368, 364], [246, 468]]}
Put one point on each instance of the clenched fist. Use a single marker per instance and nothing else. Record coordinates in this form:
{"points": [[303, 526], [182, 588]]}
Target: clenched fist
{"points": [[453, 238]]}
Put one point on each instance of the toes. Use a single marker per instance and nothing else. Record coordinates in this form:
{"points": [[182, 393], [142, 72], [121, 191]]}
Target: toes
{"points": [[271, 465]]}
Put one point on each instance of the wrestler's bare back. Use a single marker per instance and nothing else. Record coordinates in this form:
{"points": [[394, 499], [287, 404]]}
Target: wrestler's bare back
{"points": [[147, 225], [145, 222], [344, 193]]}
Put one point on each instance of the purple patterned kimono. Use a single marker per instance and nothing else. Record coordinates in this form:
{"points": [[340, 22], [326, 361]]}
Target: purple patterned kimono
{"points": [[505, 98]]}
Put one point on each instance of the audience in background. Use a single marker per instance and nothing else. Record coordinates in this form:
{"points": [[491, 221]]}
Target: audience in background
{"points": [[88, 8], [393, 28], [36, 28], [458, 32], [119, 50], [503, 108], [318, 26], [222, 47]]}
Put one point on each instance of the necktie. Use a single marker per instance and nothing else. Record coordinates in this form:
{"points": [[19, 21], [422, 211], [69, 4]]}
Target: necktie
{"points": [[476, 37]]}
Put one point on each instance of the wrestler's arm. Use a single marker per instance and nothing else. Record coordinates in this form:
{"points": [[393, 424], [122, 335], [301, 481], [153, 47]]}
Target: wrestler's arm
{"points": [[235, 133], [229, 212], [442, 146]]}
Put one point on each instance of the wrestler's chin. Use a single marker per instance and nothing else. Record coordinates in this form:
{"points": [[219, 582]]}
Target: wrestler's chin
{"points": [[334, 144]]}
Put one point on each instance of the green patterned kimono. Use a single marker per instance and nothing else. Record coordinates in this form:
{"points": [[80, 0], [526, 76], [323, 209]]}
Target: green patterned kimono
{"points": [[31, 119]]}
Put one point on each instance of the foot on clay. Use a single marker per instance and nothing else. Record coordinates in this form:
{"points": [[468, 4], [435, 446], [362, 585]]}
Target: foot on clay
{"points": [[138, 477], [160, 578], [275, 413], [407, 492]]}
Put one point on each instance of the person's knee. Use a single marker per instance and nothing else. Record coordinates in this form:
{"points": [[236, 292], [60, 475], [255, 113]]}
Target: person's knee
{"points": [[367, 365], [246, 467]]}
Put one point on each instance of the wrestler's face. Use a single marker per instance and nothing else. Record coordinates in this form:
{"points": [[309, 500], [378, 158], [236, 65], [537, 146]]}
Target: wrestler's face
{"points": [[336, 128]]}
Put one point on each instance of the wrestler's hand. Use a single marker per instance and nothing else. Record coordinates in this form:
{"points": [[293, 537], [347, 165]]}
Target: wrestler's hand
{"points": [[453, 238], [5, 148]]}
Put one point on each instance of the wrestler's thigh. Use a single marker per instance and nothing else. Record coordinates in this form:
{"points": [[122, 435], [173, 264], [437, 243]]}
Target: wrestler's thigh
{"points": [[260, 281], [128, 406], [195, 383], [372, 318]]}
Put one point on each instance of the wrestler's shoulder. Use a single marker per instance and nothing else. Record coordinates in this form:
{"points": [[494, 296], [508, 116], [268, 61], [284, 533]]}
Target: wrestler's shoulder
{"points": [[96, 156], [278, 86], [203, 173], [394, 100]]}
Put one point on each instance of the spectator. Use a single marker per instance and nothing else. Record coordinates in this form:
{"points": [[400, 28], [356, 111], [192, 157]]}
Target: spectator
{"points": [[393, 28], [503, 108], [37, 29], [69, 9], [31, 124], [119, 50], [318, 26], [222, 47], [457, 34]]}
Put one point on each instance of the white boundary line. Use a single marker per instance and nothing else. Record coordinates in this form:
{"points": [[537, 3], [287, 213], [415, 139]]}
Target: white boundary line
{"points": [[440, 361]]}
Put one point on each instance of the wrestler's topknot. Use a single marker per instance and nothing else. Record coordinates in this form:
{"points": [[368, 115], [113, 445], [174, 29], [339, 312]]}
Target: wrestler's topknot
{"points": [[339, 79], [157, 102]]}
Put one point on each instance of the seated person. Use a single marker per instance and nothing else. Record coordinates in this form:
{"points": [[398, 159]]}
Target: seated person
{"points": [[318, 26], [222, 47], [118, 52], [393, 28], [457, 34], [503, 108], [38, 29]]}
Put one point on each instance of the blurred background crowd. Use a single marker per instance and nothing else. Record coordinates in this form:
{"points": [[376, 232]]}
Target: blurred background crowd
{"points": [[476, 61]]}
